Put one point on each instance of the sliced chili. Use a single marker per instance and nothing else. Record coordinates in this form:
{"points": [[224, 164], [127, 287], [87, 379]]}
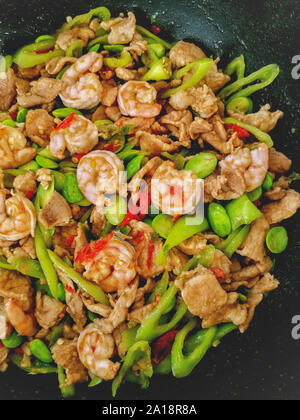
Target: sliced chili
{"points": [[218, 272], [70, 240], [30, 194], [241, 132], [163, 346], [89, 252], [155, 29], [69, 289], [66, 123]]}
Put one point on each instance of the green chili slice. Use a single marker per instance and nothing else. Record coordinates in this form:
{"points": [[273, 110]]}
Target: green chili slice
{"points": [[260, 135]]}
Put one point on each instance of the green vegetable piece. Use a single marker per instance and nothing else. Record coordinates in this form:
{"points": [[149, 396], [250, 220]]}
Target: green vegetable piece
{"points": [[75, 50], [234, 241], [102, 13], [91, 316], [56, 333], [184, 228], [40, 351], [63, 113], [61, 293], [134, 165], [139, 351], [66, 391], [21, 116], [44, 38], [95, 48], [91, 288], [36, 368], [61, 73], [45, 152], [156, 50], [242, 212], [255, 194], [9, 123], [83, 203], [150, 35], [151, 328], [162, 224], [219, 220], [71, 191], [59, 180], [265, 75], [115, 214], [160, 287], [277, 240], [183, 365], [103, 39], [268, 182], [46, 163], [45, 262], [177, 158], [86, 215], [45, 195], [244, 105], [237, 66], [202, 164], [260, 135], [14, 341], [114, 48], [5, 63], [129, 337], [123, 61], [28, 267], [200, 67], [27, 56], [30, 166], [95, 382], [160, 70]]}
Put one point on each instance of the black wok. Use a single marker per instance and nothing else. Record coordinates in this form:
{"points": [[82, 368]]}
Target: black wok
{"points": [[264, 362]]}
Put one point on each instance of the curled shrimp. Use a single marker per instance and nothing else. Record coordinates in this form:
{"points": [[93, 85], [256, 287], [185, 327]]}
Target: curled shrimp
{"points": [[24, 324], [13, 150], [82, 88], [80, 136], [137, 99], [100, 172], [252, 164], [95, 348], [17, 217], [175, 192], [113, 266]]}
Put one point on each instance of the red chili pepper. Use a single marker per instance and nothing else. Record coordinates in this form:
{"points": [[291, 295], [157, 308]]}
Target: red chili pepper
{"points": [[1, 344], [163, 346], [62, 314], [150, 254], [89, 252], [111, 147], [69, 289], [19, 351], [79, 156], [218, 272], [13, 115], [93, 349], [44, 51], [138, 212], [240, 131], [30, 194], [155, 29], [70, 240], [157, 298], [66, 123], [176, 217], [120, 123], [139, 237]]}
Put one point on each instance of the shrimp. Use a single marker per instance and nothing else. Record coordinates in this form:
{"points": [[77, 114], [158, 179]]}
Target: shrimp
{"points": [[24, 324], [82, 88], [137, 99], [17, 217], [175, 192], [113, 267], [95, 348], [13, 150], [251, 164], [101, 172], [81, 136]]}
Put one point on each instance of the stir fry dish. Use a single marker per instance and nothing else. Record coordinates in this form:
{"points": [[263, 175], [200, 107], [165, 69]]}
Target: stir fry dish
{"points": [[112, 140]]}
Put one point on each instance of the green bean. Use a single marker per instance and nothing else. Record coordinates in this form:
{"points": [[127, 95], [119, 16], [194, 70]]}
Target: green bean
{"points": [[255, 194], [56, 333], [65, 112], [46, 163], [45, 195], [116, 213], [91, 288], [59, 180], [36, 367], [150, 35], [61, 73], [244, 105], [61, 293], [134, 165], [91, 316], [86, 215], [66, 391], [114, 48], [71, 191], [46, 263], [45, 152], [277, 240], [242, 212], [237, 66], [21, 116], [234, 241], [95, 382], [219, 220], [202, 164], [95, 48], [160, 287], [162, 224], [30, 166], [28, 267], [75, 50], [103, 39], [14, 341], [260, 135], [40, 351], [268, 182], [9, 123]]}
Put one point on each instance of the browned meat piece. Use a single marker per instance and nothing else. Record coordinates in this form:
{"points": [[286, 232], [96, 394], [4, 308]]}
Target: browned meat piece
{"points": [[176, 261], [184, 53], [25, 183], [80, 243], [232, 287], [222, 262], [215, 78], [156, 144], [43, 91], [5, 326], [67, 38], [178, 122], [126, 74], [56, 65], [137, 316], [7, 89], [3, 358], [44, 177], [279, 189], [118, 337], [201, 292], [248, 273], [264, 120], [56, 212], [109, 94], [228, 186], [278, 162], [48, 312], [143, 124], [98, 221], [15, 286], [284, 209], [65, 354], [122, 30], [137, 46], [199, 126], [39, 125], [95, 307], [254, 245], [113, 113], [194, 245], [30, 73]]}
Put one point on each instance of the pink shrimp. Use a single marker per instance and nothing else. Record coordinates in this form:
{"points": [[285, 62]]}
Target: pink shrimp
{"points": [[24, 324]]}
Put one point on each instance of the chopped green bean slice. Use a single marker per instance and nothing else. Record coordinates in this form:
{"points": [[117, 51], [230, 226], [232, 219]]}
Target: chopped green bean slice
{"points": [[277, 240]]}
